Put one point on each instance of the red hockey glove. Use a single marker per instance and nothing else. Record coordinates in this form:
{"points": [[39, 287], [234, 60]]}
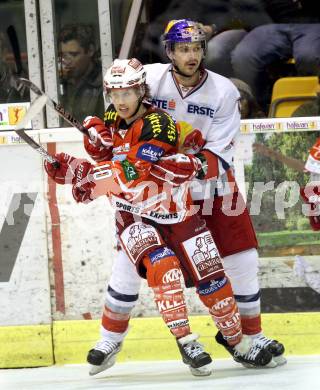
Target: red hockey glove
{"points": [[99, 133], [65, 173], [193, 141], [83, 183], [311, 195], [176, 169], [100, 143]]}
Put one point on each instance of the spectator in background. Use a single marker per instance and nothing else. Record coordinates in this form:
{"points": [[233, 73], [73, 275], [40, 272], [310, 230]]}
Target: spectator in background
{"points": [[80, 71], [242, 16], [10, 92], [294, 33], [220, 15], [249, 107]]}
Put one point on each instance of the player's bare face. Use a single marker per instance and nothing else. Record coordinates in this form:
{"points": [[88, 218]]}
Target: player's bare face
{"points": [[125, 101], [188, 56]]}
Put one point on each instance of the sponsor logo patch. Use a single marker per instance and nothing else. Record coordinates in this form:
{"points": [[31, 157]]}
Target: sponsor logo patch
{"points": [[171, 276], [167, 305], [164, 104], [129, 170], [203, 255], [200, 110], [139, 237], [211, 287], [149, 152], [160, 253], [125, 148], [177, 324]]}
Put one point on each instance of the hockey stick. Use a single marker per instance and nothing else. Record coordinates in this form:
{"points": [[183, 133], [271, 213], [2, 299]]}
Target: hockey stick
{"points": [[30, 141], [34, 109], [15, 49], [56, 106]]}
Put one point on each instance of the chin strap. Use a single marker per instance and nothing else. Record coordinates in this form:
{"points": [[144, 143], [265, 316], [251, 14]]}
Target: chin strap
{"points": [[137, 109]]}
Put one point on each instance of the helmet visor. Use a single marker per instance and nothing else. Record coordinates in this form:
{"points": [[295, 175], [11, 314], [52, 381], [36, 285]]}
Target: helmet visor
{"points": [[124, 95]]}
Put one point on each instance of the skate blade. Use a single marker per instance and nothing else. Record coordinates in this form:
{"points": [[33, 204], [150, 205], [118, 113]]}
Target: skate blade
{"points": [[271, 364], [202, 371], [280, 360], [104, 366]]}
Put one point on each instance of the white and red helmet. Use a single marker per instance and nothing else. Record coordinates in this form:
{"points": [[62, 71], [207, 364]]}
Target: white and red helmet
{"points": [[124, 74]]}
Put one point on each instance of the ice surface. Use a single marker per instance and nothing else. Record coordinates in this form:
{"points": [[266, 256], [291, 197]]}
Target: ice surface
{"points": [[300, 373]]}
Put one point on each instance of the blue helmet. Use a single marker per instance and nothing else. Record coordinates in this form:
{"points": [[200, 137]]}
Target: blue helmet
{"points": [[184, 31]]}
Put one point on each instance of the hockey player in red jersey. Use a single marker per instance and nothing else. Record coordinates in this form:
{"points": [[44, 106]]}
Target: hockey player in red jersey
{"points": [[206, 104], [157, 225], [311, 192]]}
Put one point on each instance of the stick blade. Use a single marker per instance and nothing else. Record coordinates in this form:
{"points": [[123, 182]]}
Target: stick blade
{"points": [[34, 110]]}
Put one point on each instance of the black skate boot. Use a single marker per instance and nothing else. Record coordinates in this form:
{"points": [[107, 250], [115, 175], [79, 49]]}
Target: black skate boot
{"points": [[103, 356], [273, 346], [194, 355], [247, 353]]}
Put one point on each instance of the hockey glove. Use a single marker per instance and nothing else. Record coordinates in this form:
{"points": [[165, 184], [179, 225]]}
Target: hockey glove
{"points": [[176, 169], [65, 173], [99, 145], [83, 183], [193, 142], [311, 195]]}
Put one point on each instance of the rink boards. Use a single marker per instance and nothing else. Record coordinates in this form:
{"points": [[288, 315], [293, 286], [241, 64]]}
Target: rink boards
{"points": [[67, 342], [56, 257]]}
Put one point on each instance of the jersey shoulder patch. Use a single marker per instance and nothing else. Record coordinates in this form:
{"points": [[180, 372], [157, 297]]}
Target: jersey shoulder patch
{"points": [[159, 125], [110, 115]]}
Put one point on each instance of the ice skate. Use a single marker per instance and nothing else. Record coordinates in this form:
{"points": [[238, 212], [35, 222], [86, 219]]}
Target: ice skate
{"points": [[248, 353], [273, 346], [194, 356], [103, 356]]}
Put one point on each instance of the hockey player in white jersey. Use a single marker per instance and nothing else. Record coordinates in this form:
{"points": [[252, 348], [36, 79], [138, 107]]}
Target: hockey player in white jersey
{"points": [[206, 105]]}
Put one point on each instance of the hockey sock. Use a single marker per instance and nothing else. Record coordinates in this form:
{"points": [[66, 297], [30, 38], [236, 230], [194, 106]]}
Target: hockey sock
{"points": [[251, 325], [249, 307], [115, 322], [163, 277], [218, 297]]}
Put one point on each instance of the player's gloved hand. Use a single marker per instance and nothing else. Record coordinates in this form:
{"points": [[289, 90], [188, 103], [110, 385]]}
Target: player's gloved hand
{"points": [[311, 195], [99, 144], [176, 169], [64, 174], [83, 183], [99, 133], [193, 142]]}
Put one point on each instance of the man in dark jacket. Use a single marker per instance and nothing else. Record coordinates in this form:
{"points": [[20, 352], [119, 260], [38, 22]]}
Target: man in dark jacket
{"points": [[80, 72]]}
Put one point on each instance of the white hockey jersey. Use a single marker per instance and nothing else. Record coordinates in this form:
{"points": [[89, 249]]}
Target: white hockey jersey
{"points": [[212, 107]]}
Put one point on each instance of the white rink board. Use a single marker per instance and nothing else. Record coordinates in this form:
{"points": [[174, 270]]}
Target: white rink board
{"points": [[25, 297]]}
